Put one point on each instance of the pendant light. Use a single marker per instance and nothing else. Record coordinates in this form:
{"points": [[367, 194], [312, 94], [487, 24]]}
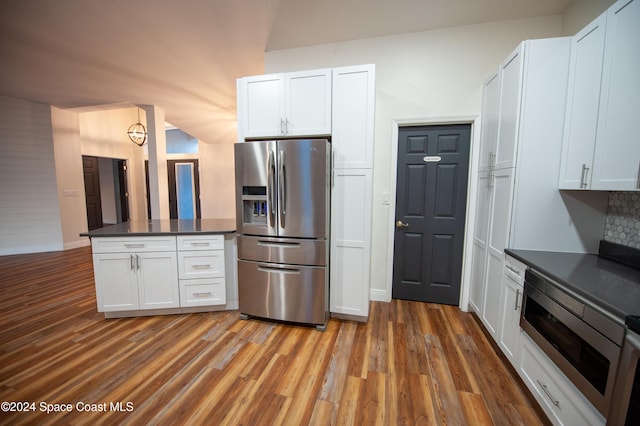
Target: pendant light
{"points": [[137, 132]]}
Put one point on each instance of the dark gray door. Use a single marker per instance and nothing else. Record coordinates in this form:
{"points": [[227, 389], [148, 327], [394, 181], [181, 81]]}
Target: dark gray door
{"points": [[92, 192], [431, 199]]}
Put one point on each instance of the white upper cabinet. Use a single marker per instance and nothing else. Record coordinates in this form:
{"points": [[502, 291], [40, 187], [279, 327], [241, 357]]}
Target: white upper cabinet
{"points": [[353, 115], [490, 115], [290, 104], [601, 150], [511, 80], [617, 154]]}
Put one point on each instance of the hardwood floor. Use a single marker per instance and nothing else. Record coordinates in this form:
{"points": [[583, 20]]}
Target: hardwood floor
{"points": [[412, 363]]}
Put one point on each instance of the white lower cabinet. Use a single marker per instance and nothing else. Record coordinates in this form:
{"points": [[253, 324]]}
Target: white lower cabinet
{"points": [[159, 272], [558, 397], [201, 268], [136, 280], [510, 308]]}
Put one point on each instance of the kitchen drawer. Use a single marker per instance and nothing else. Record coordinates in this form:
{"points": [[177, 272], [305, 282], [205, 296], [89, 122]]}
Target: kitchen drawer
{"points": [[200, 242], [514, 269], [133, 244], [202, 292], [562, 402], [201, 264]]}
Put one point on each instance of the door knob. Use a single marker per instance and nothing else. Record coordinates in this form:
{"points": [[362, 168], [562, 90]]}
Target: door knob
{"points": [[401, 224]]}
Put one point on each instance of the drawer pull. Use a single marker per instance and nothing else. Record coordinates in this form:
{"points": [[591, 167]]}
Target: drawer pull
{"points": [[546, 391], [517, 299], [512, 269], [202, 294], [204, 266], [204, 244], [134, 245]]}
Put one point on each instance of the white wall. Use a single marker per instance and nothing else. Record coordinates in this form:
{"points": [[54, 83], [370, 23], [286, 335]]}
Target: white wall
{"points": [[580, 12], [217, 180], [69, 175], [419, 77], [29, 210], [104, 134]]}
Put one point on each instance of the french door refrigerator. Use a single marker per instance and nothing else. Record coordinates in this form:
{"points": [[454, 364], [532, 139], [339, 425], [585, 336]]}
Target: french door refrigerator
{"points": [[282, 214]]}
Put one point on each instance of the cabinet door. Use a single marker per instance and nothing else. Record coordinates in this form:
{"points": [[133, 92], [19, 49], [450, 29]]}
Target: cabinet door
{"points": [[510, 94], [581, 117], [617, 164], [158, 280], [490, 114], [116, 282], [352, 116], [510, 318], [261, 105], [307, 103], [481, 232], [351, 242], [499, 224]]}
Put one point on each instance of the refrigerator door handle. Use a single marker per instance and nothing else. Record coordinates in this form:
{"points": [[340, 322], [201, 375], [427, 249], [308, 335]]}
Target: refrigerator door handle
{"points": [[282, 189], [271, 172]]}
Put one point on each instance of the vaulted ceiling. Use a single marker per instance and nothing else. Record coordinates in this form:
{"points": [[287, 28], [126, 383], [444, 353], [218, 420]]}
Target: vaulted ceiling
{"points": [[185, 56]]}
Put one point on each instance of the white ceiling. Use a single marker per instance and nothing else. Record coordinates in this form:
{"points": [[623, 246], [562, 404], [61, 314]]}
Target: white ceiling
{"points": [[185, 56]]}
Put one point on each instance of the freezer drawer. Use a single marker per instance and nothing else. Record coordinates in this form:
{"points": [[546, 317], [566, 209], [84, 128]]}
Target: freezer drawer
{"points": [[282, 250], [283, 292]]}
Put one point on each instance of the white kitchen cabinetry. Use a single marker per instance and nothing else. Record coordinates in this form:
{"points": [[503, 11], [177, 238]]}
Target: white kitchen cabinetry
{"points": [[558, 397], [201, 266], [135, 273], [601, 150], [521, 206], [510, 307], [290, 104], [352, 190], [501, 192], [490, 116], [481, 232]]}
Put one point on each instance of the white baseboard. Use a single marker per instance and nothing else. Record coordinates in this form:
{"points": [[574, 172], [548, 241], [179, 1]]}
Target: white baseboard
{"points": [[379, 295], [77, 244]]}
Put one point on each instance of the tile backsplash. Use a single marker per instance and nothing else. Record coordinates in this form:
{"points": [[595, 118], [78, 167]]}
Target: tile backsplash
{"points": [[623, 219]]}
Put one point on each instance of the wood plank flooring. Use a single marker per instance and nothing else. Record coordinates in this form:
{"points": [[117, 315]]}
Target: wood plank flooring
{"points": [[412, 363]]}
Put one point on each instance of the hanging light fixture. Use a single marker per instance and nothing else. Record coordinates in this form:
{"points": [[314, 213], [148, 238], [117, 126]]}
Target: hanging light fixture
{"points": [[137, 132]]}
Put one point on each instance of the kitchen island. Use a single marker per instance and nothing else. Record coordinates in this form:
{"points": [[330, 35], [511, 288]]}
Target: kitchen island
{"points": [[157, 267]]}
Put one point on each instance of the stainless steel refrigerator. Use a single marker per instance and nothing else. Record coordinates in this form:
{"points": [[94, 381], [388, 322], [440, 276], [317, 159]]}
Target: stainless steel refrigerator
{"points": [[282, 214]]}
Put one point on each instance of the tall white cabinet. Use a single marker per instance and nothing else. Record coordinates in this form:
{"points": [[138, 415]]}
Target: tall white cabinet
{"points": [[601, 149], [339, 103], [352, 192], [519, 204]]}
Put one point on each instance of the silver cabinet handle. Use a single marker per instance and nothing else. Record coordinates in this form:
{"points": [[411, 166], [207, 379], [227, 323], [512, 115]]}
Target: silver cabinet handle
{"points": [[492, 160], [134, 245], [202, 294], [138, 262], [512, 269], [282, 128], [583, 176], [132, 261], [517, 299], [205, 244], [201, 266], [546, 391]]}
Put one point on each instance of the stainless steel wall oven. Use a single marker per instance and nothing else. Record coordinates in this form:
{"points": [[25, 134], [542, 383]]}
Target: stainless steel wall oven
{"points": [[581, 339]]}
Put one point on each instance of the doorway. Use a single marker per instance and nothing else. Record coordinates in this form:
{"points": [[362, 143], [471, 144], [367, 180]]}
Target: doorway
{"points": [[431, 201], [106, 191], [184, 189]]}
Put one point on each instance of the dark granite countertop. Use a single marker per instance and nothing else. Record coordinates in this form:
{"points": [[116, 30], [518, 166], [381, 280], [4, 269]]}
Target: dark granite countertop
{"points": [[165, 227], [610, 285]]}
